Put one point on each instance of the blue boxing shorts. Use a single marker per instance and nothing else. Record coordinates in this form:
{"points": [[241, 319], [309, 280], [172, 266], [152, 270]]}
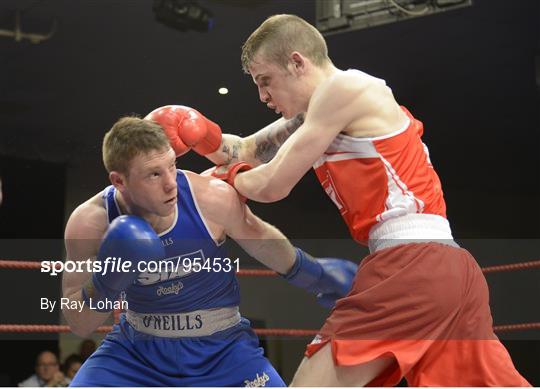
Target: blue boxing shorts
{"points": [[128, 357]]}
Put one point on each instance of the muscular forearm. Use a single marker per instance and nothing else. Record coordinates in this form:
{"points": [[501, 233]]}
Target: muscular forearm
{"points": [[232, 149], [274, 180], [256, 185], [82, 322], [86, 321], [275, 253], [267, 245], [258, 148], [271, 181]]}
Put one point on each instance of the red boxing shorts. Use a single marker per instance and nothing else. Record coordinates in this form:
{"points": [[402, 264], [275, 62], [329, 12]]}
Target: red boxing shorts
{"points": [[426, 305]]}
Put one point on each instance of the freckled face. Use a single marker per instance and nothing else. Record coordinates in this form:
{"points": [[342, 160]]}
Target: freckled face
{"points": [[151, 182]]}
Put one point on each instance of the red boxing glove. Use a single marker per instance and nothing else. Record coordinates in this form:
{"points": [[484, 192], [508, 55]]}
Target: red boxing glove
{"points": [[187, 128], [228, 173]]}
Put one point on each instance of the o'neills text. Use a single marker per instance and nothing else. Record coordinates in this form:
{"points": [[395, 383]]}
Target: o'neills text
{"points": [[173, 322]]}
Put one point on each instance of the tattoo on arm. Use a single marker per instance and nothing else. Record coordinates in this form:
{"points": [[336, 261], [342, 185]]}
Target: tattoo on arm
{"points": [[230, 149], [268, 142]]}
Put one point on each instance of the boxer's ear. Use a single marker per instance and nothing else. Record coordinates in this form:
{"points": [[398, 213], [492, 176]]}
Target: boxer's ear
{"points": [[118, 180], [297, 62]]}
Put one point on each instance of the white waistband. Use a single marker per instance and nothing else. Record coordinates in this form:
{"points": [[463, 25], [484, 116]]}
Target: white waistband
{"points": [[204, 322], [410, 228]]}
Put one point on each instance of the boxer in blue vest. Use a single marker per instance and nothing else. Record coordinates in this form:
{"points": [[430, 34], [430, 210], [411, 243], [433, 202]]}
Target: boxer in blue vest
{"points": [[182, 326]]}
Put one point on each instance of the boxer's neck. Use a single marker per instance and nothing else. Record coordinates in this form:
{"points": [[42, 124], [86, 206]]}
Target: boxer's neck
{"points": [[158, 223]]}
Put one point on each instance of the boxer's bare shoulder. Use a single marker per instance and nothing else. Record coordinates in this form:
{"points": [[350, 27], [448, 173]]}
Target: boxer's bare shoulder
{"points": [[88, 220], [367, 101], [214, 198]]}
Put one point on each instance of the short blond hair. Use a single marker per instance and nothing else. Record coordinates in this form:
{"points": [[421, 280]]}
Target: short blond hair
{"points": [[279, 35], [129, 137]]}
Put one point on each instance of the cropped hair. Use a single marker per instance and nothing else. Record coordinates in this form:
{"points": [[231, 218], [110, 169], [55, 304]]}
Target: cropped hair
{"points": [[279, 35], [129, 137]]}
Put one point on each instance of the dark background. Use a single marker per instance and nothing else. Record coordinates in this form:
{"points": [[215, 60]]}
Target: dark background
{"points": [[471, 75]]}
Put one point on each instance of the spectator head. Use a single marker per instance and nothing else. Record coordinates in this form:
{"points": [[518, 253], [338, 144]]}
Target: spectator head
{"points": [[46, 365], [72, 364], [87, 347]]}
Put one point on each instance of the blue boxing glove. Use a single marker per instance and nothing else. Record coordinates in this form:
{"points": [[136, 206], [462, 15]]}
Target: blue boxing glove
{"points": [[329, 278], [132, 239]]}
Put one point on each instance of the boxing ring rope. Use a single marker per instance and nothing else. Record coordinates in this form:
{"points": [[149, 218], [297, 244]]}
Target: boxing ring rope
{"points": [[46, 328], [34, 265], [51, 328]]}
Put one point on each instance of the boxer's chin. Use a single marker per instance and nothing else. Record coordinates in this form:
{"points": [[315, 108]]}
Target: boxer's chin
{"points": [[287, 115]]}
